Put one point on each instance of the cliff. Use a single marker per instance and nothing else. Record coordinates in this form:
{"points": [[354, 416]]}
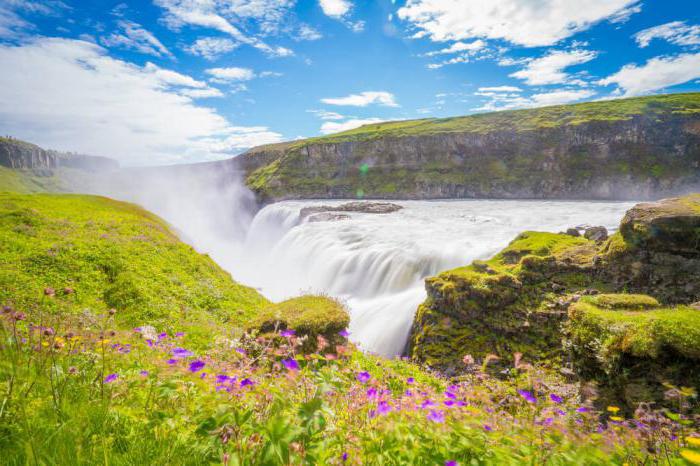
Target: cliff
{"points": [[619, 149], [17, 154], [614, 310]]}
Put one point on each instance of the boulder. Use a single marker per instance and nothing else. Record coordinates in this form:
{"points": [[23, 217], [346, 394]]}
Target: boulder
{"points": [[573, 232], [356, 206], [596, 233]]}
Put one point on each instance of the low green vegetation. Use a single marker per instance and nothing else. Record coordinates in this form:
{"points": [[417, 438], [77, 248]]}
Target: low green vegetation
{"points": [[94, 253]]}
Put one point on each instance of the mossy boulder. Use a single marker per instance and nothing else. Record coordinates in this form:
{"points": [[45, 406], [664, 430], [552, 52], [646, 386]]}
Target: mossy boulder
{"points": [[310, 316], [670, 225], [633, 350]]}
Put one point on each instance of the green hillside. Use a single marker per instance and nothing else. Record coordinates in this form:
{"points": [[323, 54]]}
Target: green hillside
{"points": [[98, 253]]}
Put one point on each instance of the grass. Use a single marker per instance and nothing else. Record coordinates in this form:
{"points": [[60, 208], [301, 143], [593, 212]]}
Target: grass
{"points": [[96, 254]]}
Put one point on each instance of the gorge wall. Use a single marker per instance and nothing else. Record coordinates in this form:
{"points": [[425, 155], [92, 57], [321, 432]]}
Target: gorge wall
{"points": [[18, 154], [621, 149]]}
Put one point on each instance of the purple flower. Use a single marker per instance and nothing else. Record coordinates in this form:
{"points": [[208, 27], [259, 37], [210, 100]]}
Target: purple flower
{"points": [[241, 351], [137, 329], [171, 361], [222, 378], [371, 392], [180, 334], [488, 428], [344, 334], [288, 333], [344, 456], [451, 463], [582, 409], [144, 373], [363, 377], [182, 353], [202, 375], [410, 380], [291, 364], [383, 407], [111, 378], [196, 366], [428, 404], [247, 383], [529, 397], [436, 416], [162, 336], [555, 398], [150, 343]]}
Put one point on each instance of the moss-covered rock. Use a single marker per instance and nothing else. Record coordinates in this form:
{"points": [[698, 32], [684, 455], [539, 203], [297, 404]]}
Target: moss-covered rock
{"points": [[309, 316], [633, 351]]}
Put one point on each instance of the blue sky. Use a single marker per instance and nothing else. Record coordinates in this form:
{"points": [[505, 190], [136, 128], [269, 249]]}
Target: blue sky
{"points": [[175, 81]]}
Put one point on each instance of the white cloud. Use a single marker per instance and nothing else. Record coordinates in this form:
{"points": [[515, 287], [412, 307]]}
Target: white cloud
{"points": [[364, 99], [211, 47], [525, 22], [306, 32], [201, 93], [500, 89], [460, 47], [14, 26], [330, 127], [335, 8], [99, 105], [133, 36], [231, 74], [503, 98], [326, 115], [222, 14], [676, 32], [549, 69], [657, 73]]}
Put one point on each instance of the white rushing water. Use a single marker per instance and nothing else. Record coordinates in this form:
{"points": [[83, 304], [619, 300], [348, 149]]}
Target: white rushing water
{"points": [[376, 263]]}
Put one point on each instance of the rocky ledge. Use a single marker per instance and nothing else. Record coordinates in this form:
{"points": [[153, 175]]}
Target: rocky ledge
{"points": [[615, 311], [329, 213]]}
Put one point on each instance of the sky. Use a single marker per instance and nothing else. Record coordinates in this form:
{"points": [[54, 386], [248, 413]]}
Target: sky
{"points": [[156, 82]]}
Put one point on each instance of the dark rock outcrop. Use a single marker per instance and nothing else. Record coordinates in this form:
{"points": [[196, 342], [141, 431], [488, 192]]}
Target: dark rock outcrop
{"points": [[17, 154], [358, 207]]}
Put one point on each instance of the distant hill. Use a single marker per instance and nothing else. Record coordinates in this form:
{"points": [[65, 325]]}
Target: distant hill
{"points": [[18, 154], [616, 149]]}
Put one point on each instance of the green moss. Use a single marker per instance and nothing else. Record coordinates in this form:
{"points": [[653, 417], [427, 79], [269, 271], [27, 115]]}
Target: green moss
{"points": [[307, 315], [624, 301], [111, 254]]}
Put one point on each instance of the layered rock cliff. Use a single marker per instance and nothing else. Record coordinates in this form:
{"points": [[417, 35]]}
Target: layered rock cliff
{"points": [[623, 311], [18, 154], [619, 149]]}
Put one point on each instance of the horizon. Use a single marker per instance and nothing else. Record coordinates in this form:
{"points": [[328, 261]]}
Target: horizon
{"points": [[175, 82]]}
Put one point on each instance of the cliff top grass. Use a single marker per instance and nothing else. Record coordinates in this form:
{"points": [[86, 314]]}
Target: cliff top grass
{"points": [[519, 120], [626, 328], [30, 181], [97, 253]]}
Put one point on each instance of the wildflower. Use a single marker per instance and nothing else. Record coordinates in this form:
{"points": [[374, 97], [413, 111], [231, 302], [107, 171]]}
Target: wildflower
{"points": [[363, 377], [616, 419], [241, 351], [436, 416], [111, 378], [196, 366], [203, 375], [112, 311], [72, 370], [582, 409], [171, 361], [291, 364], [179, 334], [555, 398], [488, 428], [528, 396], [20, 316], [288, 333], [48, 331], [613, 409], [384, 407], [144, 373], [344, 456], [468, 360], [694, 441], [162, 336], [222, 378], [48, 291], [410, 380], [247, 383], [371, 392], [344, 334], [451, 463], [692, 456], [181, 353]]}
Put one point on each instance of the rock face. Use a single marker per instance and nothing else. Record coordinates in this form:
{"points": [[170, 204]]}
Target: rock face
{"points": [[18, 154], [359, 207], [548, 296], [628, 149]]}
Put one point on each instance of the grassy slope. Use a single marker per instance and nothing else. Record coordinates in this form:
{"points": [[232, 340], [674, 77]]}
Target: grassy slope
{"points": [[114, 255]]}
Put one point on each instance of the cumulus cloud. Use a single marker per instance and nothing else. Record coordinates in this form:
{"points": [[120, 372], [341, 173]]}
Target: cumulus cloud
{"points": [[211, 47], [13, 25], [364, 99], [306, 32], [460, 47], [524, 22], [131, 35], [221, 15], [656, 74], [676, 32], [335, 8], [231, 74], [549, 69], [509, 98], [96, 104]]}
